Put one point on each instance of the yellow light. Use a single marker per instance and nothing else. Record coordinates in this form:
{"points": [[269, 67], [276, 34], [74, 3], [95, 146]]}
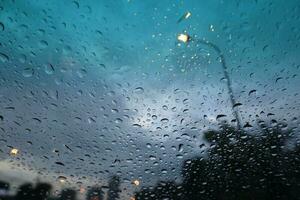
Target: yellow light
{"points": [[183, 37], [14, 151], [136, 182]]}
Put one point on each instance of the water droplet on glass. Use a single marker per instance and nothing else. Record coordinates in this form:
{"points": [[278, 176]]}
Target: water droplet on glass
{"points": [[139, 90], [164, 120], [237, 104], [49, 69], [136, 126], [62, 179], [1, 26], [60, 163], [22, 58], [251, 92], [3, 57], [43, 44], [220, 116], [28, 72], [118, 120], [81, 73]]}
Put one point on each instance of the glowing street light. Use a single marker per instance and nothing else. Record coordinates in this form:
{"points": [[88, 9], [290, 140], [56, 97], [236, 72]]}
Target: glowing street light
{"points": [[14, 152], [183, 37], [136, 182]]}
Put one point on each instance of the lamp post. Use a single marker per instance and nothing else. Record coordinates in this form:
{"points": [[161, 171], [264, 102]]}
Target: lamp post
{"points": [[227, 77], [186, 38]]}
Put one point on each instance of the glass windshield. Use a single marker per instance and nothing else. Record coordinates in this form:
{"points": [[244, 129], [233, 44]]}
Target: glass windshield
{"points": [[149, 99]]}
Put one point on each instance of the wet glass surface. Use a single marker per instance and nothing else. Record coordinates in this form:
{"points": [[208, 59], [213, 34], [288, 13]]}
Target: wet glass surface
{"points": [[148, 99]]}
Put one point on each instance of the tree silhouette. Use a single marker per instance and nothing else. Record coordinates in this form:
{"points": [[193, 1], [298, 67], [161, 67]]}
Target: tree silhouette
{"points": [[4, 191], [28, 192], [113, 188], [239, 165], [4, 188], [68, 194], [25, 192], [42, 191], [162, 191], [95, 193]]}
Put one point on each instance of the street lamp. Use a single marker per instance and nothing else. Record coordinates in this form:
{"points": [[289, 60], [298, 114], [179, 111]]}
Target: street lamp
{"points": [[186, 38]]}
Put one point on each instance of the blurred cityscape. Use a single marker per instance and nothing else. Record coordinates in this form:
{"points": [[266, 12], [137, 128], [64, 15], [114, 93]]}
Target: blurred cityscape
{"points": [[43, 191]]}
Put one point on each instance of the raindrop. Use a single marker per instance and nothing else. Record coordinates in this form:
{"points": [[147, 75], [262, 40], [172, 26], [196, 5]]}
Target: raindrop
{"points": [[248, 125], [185, 110], [118, 120], [68, 147], [67, 50], [91, 120], [277, 79], [237, 104], [185, 101], [60, 163], [76, 4], [179, 156], [37, 120], [3, 57], [22, 58], [265, 47], [180, 147], [43, 44], [102, 66], [139, 90], [220, 116], [62, 179], [136, 126], [164, 120], [251, 92], [1, 26], [49, 69], [28, 72], [151, 157], [81, 73]]}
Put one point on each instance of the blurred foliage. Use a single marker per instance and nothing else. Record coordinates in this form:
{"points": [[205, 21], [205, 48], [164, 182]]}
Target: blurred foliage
{"points": [[238, 165]]}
